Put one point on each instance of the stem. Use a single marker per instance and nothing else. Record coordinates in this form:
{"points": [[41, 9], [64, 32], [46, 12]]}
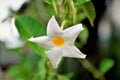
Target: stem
{"points": [[63, 24], [47, 65], [46, 76], [55, 6], [74, 10], [91, 68]]}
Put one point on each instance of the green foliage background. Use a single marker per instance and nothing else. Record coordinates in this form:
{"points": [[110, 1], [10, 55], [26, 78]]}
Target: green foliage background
{"points": [[34, 65]]}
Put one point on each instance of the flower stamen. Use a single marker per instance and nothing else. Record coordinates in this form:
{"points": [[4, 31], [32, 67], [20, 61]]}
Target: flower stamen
{"points": [[58, 41]]}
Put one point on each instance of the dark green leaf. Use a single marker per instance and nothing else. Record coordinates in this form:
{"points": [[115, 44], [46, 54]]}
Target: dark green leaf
{"points": [[28, 27], [48, 2], [83, 36], [89, 10], [106, 65], [81, 16], [69, 75]]}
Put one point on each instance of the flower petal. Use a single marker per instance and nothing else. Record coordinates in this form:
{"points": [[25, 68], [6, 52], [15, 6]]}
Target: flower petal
{"points": [[54, 55], [70, 34], [44, 41], [53, 28], [70, 50]]}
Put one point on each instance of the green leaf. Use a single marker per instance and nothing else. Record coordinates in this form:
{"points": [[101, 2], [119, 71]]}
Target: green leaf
{"points": [[41, 64], [61, 77], [89, 10], [28, 27], [25, 69], [69, 75], [78, 2], [106, 65], [81, 16], [83, 36], [50, 10], [48, 2], [41, 69], [37, 49]]}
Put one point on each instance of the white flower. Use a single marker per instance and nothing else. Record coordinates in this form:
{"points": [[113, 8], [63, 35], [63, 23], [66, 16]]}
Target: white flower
{"points": [[6, 5], [8, 32], [60, 42]]}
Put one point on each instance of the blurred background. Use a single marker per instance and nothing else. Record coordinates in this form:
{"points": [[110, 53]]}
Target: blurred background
{"points": [[100, 40]]}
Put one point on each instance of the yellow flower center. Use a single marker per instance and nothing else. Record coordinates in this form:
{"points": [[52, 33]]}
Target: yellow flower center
{"points": [[58, 41]]}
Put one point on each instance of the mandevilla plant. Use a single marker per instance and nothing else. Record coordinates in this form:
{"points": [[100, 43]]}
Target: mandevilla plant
{"points": [[38, 26]]}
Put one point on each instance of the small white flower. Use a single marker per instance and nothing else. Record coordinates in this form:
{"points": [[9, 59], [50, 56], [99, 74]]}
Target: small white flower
{"points": [[60, 42]]}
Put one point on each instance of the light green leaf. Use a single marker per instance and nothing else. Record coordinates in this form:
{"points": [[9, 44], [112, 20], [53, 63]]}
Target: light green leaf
{"points": [[89, 10], [78, 2], [28, 27], [106, 65]]}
